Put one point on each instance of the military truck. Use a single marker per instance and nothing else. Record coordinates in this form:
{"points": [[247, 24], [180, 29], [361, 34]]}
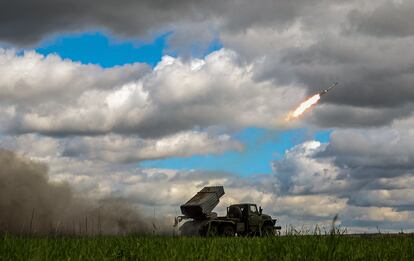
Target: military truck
{"points": [[242, 219]]}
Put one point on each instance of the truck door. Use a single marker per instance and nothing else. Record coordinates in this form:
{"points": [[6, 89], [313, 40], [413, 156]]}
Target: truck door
{"points": [[254, 218]]}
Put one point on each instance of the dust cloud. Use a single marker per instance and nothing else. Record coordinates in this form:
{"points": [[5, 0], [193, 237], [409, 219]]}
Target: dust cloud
{"points": [[31, 204]]}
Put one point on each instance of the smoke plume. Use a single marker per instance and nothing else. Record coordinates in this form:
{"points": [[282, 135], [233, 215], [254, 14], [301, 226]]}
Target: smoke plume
{"points": [[29, 203]]}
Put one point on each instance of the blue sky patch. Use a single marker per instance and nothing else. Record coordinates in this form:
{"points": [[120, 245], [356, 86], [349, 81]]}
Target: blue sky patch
{"points": [[98, 48], [261, 148], [108, 51]]}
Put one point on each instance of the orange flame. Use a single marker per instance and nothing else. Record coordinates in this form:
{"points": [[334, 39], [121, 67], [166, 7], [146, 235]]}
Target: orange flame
{"points": [[304, 106]]}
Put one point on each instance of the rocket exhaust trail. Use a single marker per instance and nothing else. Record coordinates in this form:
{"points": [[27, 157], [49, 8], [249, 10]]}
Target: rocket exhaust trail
{"points": [[307, 104], [303, 107]]}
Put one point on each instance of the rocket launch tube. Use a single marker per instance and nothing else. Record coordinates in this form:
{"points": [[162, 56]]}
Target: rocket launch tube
{"points": [[327, 90]]}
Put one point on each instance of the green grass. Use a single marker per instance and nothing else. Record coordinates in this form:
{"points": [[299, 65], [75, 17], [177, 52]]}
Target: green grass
{"points": [[182, 248]]}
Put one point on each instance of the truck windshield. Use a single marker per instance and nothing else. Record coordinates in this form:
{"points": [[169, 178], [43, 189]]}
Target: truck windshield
{"points": [[253, 208]]}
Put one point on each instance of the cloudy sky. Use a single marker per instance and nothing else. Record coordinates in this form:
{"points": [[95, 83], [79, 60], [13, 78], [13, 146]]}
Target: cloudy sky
{"points": [[152, 100]]}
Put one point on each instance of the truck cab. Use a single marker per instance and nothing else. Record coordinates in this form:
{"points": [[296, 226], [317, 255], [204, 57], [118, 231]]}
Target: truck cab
{"points": [[250, 219]]}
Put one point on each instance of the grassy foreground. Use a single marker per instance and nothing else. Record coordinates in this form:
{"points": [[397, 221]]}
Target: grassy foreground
{"points": [[182, 248]]}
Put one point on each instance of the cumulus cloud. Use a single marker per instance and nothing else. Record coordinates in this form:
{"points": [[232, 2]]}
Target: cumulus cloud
{"points": [[115, 148], [176, 96], [33, 79], [367, 179], [122, 149], [299, 173]]}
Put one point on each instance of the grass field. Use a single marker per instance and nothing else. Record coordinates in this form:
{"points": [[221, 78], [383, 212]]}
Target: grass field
{"points": [[183, 248]]}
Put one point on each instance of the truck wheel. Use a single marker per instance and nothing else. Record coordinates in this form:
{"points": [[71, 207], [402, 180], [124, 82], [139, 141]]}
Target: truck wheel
{"points": [[268, 231], [228, 231]]}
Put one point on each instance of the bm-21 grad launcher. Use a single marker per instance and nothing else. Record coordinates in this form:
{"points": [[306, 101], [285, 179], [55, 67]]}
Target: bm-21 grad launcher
{"points": [[241, 219]]}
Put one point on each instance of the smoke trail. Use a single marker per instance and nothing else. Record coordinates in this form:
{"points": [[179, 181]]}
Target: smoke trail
{"points": [[303, 107], [29, 203]]}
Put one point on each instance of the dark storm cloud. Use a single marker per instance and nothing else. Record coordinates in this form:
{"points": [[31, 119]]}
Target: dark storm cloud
{"points": [[337, 41], [373, 159], [361, 200], [387, 149], [371, 73], [389, 19], [375, 78], [340, 116], [242, 14], [27, 22]]}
